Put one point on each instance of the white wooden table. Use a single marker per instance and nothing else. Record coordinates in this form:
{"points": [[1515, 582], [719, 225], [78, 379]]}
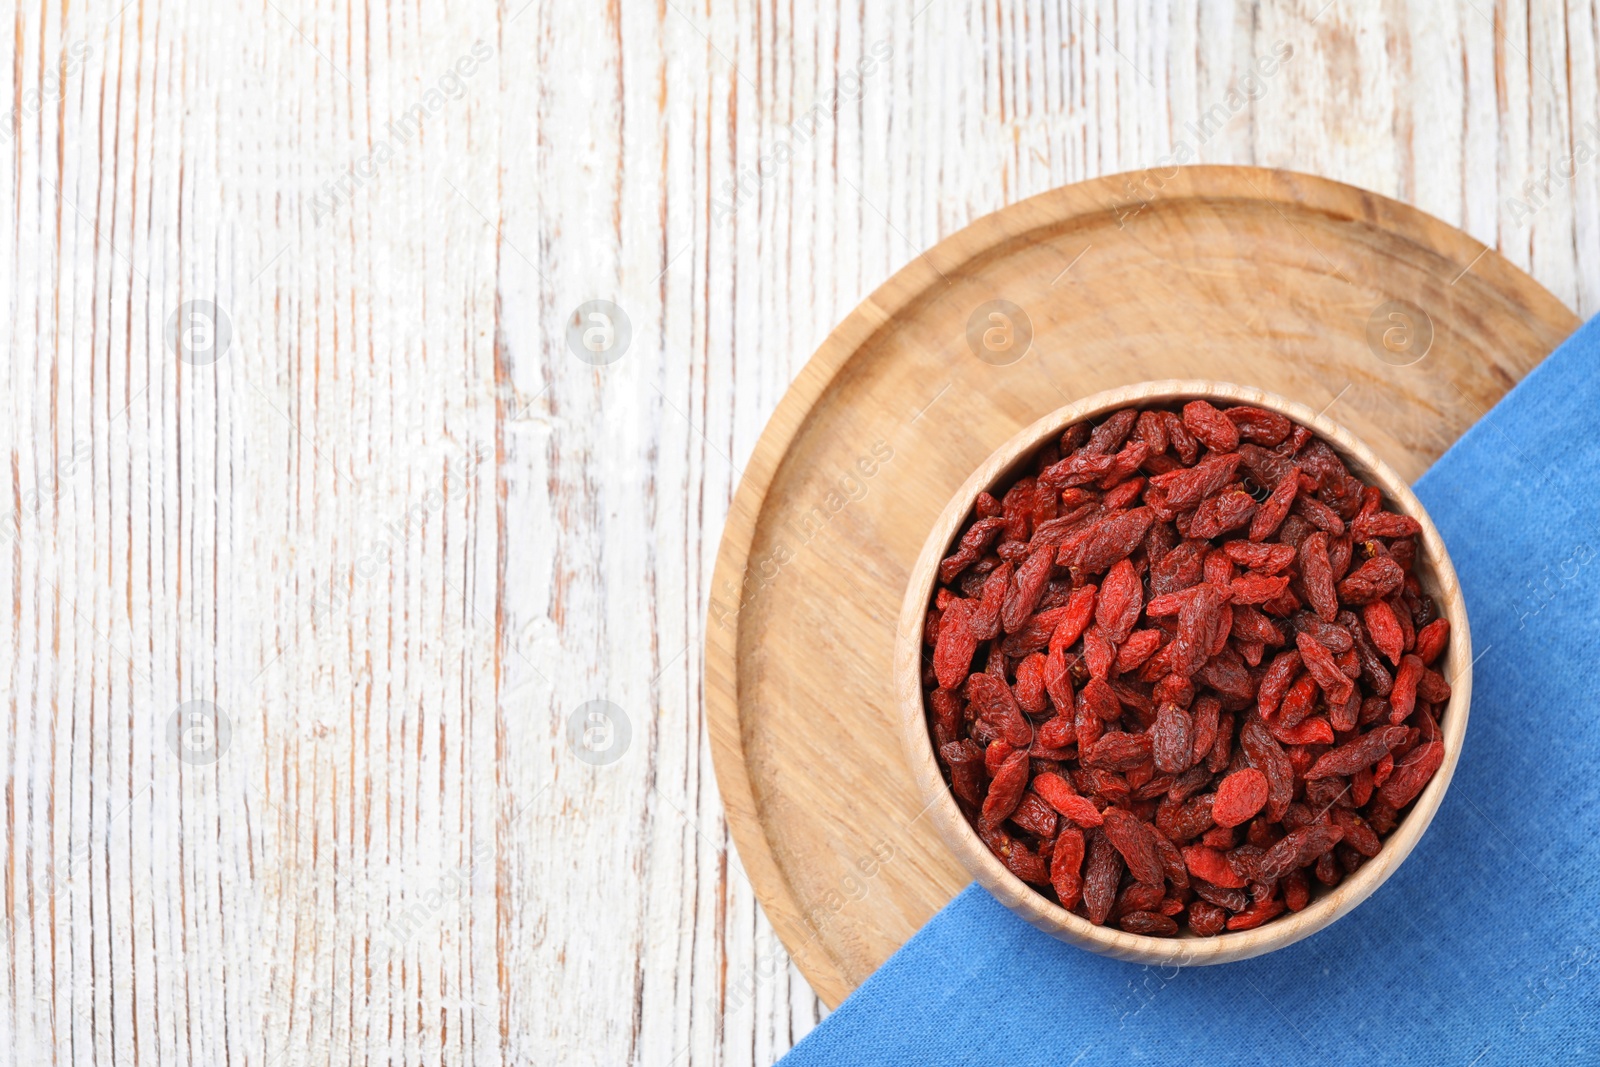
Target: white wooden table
{"points": [[321, 537]]}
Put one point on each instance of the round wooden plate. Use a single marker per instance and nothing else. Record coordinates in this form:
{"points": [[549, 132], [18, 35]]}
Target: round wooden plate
{"points": [[1402, 328]]}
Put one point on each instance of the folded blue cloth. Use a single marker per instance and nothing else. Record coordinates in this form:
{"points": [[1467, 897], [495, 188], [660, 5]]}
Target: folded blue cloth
{"points": [[1483, 948]]}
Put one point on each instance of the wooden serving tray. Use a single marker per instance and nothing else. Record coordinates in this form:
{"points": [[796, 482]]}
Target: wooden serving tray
{"points": [[1404, 329]]}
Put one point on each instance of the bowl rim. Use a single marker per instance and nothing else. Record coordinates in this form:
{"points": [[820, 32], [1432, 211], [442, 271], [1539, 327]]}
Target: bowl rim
{"points": [[1437, 573]]}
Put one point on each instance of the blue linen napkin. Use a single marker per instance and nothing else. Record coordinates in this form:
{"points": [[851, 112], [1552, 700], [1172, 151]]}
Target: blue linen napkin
{"points": [[1483, 948]]}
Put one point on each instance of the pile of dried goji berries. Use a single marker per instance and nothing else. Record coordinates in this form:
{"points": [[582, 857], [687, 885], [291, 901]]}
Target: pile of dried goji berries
{"points": [[1184, 671]]}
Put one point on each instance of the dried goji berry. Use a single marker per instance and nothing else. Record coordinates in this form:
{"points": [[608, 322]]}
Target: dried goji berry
{"points": [[1021, 860], [1072, 806], [1181, 490], [1206, 920], [1317, 731], [1101, 699], [1318, 514], [995, 756], [1016, 507], [1411, 774], [1148, 922], [1079, 613], [1317, 573], [1035, 633], [1197, 615], [1029, 689], [1259, 425], [1183, 822], [1207, 719], [1172, 865], [1117, 751], [1211, 866], [1218, 569], [1139, 646], [984, 621], [1239, 797], [957, 752], [1331, 636], [1377, 577], [1120, 601], [1225, 672], [1005, 791], [1080, 468], [1257, 588], [1320, 665], [1297, 849], [1271, 514], [993, 702], [1296, 890], [1088, 726], [1113, 431], [1382, 769], [1152, 430], [1035, 816], [1066, 866], [1058, 683], [1100, 880], [1172, 688], [1242, 860], [1183, 442], [1352, 756], [973, 542], [1357, 834], [1431, 641], [1432, 687], [1228, 510], [1210, 427], [1099, 654], [1384, 629], [1058, 732], [1123, 464], [1179, 569], [952, 656], [1403, 697], [1170, 739], [1222, 747], [1384, 524], [1276, 681], [1113, 538], [1267, 757], [1132, 838], [1263, 559]]}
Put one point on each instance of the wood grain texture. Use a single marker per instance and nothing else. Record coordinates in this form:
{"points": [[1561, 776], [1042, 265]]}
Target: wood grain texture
{"points": [[400, 858], [1260, 277], [933, 795]]}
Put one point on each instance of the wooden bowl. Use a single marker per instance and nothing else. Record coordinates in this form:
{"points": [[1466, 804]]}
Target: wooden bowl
{"points": [[1432, 566]]}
